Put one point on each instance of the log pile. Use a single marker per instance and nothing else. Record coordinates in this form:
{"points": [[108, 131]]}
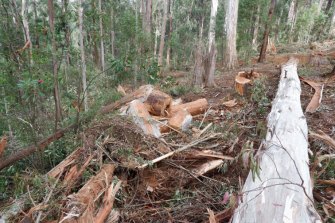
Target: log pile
{"points": [[156, 106]]}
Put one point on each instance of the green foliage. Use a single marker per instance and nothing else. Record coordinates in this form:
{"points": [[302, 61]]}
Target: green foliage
{"points": [[258, 94]]}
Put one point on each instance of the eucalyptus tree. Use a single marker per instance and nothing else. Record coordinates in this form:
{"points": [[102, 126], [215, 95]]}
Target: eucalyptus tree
{"points": [[230, 55]]}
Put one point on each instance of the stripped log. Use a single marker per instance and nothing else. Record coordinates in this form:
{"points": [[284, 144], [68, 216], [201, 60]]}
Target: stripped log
{"points": [[141, 94], [282, 189], [158, 102], [81, 203], [141, 117], [181, 120], [194, 108]]}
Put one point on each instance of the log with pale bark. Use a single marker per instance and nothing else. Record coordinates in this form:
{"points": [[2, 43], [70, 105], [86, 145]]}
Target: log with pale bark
{"points": [[282, 189]]}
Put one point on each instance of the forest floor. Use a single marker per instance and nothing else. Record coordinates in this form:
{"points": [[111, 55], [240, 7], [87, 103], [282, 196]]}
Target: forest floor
{"points": [[173, 190]]}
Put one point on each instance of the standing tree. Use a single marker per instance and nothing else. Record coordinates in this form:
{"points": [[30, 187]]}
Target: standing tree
{"points": [[102, 50], [26, 32], [211, 56], [230, 55], [163, 28], [54, 63], [267, 32], [82, 53]]}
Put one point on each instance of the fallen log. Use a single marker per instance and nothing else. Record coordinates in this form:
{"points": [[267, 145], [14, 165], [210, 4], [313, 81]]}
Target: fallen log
{"points": [[194, 108], [80, 203], [3, 143], [181, 120], [40, 146], [158, 102], [142, 94], [279, 188]]}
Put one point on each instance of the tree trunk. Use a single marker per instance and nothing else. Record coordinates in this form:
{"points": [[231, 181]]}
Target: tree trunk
{"points": [[199, 66], [82, 54], [292, 18], [163, 29], [267, 32], [168, 51], [279, 187], [211, 56], [320, 6], [95, 50], [54, 63], [329, 5], [148, 12], [67, 42], [102, 50], [37, 38], [332, 25], [230, 56], [112, 34], [255, 28], [26, 32]]}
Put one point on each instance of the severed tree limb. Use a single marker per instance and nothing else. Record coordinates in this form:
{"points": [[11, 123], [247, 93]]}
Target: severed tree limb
{"points": [[40, 146], [280, 189]]}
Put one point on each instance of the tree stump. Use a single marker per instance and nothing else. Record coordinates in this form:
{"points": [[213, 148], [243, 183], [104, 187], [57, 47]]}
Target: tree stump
{"points": [[282, 191], [158, 102]]}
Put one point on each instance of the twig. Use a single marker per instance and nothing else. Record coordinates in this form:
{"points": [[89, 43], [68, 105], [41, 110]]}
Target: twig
{"points": [[205, 129], [204, 117], [158, 159]]}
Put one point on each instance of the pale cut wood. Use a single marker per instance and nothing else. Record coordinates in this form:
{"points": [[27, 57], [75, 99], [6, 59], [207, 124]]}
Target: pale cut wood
{"points": [[141, 117], [3, 143], [158, 102], [283, 190], [181, 120], [81, 202], [243, 80], [194, 108]]}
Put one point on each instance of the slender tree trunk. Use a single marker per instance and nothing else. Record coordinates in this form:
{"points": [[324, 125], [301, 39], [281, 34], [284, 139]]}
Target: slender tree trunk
{"points": [[332, 25], [67, 42], [168, 51], [255, 28], [26, 32], [156, 36], [112, 33], [162, 41], [329, 5], [320, 6], [291, 19], [230, 59], [37, 36], [82, 53], [95, 52], [198, 66], [211, 55], [148, 16], [54, 63], [102, 50], [267, 32]]}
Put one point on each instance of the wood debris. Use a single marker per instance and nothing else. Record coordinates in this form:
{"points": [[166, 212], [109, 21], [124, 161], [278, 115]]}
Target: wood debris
{"points": [[315, 102]]}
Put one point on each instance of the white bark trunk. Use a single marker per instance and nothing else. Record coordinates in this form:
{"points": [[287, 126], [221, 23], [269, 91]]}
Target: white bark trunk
{"points": [[283, 190], [211, 33], [255, 31], [332, 25], [82, 54], [163, 29], [26, 32], [102, 49], [231, 25]]}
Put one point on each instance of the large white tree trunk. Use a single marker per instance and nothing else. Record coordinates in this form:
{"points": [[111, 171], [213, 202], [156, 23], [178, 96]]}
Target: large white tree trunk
{"points": [[211, 32], [82, 54], [230, 59], [283, 190]]}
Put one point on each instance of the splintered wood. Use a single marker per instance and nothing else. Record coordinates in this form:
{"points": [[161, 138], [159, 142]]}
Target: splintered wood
{"points": [[155, 112], [282, 191]]}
